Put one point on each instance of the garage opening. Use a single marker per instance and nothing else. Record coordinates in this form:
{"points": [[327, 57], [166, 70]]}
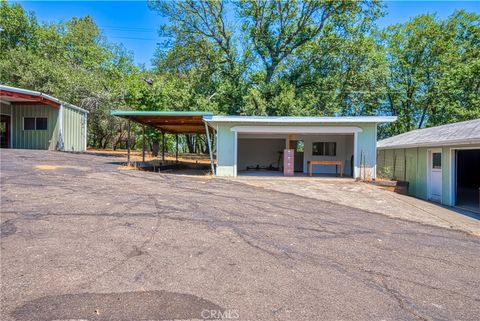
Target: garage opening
{"points": [[327, 155], [468, 179], [260, 154]]}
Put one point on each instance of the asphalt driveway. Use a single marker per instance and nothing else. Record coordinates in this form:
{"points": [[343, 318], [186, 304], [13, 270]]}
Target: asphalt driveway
{"points": [[82, 240]]}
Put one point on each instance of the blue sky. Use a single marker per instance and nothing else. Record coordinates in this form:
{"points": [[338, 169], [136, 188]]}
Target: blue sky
{"points": [[135, 25]]}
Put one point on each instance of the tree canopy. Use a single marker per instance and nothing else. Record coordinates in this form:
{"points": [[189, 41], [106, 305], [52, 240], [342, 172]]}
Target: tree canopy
{"points": [[250, 57]]}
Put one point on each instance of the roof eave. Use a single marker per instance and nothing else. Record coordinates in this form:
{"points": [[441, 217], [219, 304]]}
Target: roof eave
{"points": [[433, 144], [301, 120], [41, 95]]}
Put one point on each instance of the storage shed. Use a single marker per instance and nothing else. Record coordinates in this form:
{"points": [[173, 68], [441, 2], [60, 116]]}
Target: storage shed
{"points": [[441, 164], [247, 143], [33, 120]]}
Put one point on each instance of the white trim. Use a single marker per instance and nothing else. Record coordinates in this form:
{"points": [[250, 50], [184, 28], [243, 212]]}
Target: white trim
{"points": [[60, 143], [355, 156], [217, 147], [6, 102], [235, 154], [453, 172], [297, 129], [86, 131], [288, 119], [35, 129], [473, 141], [430, 152], [374, 176]]}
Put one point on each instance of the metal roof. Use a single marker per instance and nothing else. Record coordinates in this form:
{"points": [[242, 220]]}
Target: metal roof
{"points": [[292, 119], [177, 122], [25, 95], [467, 132]]}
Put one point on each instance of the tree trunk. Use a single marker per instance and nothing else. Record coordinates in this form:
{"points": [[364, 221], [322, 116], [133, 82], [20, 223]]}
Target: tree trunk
{"points": [[190, 140]]}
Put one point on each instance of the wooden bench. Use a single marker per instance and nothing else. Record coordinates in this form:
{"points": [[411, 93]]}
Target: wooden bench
{"points": [[320, 162]]}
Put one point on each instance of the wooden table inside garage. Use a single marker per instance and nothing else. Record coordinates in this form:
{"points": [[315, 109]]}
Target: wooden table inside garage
{"points": [[320, 162]]}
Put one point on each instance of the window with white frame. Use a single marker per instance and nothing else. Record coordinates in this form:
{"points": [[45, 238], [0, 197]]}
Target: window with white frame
{"points": [[35, 123]]}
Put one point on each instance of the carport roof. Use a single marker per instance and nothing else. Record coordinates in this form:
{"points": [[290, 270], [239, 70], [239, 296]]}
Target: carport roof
{"points": [[176, 122]]}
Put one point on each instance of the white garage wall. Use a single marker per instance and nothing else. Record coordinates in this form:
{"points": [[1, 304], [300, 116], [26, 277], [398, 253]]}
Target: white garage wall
{"points": [[259, 151], [262, 149], [344, 152]]}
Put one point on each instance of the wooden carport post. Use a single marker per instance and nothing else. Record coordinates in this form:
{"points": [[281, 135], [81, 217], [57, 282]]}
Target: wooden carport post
{"points": [[163, 145], [128, 143], [143, 143]]}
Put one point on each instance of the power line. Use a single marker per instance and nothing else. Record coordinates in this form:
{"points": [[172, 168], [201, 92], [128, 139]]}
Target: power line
{"points": [[133, 38]]}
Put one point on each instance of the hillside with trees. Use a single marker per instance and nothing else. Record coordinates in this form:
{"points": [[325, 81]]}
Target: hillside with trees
{"points": [[313, 58]]}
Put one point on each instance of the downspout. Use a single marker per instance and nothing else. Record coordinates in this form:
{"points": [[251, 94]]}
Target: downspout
{"points": [[60, 143]]}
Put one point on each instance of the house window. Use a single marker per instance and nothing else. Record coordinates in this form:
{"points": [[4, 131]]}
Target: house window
{"points": [[29, 123], [41, 123], [324, 149], [35, 123], [437, 161]]}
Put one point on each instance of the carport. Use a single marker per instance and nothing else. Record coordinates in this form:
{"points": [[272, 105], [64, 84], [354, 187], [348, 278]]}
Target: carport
{"points": [[167, 122]]}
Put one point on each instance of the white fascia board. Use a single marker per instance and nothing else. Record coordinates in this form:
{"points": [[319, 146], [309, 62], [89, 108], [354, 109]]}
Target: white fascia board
{"points": [[39, 94], [434, 144], [297, 129], [290, 120]]}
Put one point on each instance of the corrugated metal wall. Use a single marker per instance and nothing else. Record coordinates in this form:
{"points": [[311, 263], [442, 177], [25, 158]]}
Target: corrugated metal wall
{"points": [[74, 123], [34, 139]]}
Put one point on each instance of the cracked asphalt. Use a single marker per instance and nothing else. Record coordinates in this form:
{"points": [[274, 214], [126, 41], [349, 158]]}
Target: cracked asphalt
{"points": [[83, 240]]}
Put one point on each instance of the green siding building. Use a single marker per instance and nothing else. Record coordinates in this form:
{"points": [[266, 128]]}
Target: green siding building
{"points": [[440, 164], [32, 120]]}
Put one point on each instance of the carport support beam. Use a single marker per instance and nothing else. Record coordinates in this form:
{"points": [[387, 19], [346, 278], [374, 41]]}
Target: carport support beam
{"points": [[209, 148], [128, 143], [143, 143], [163, 145]]}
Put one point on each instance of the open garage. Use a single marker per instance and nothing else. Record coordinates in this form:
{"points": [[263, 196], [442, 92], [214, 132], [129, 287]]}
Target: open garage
{"points": [[264, 153], [467, 172]]}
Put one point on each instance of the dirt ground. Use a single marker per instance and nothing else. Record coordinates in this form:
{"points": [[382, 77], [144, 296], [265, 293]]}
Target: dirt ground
{"points": [[136, 156], [82, 240]]}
